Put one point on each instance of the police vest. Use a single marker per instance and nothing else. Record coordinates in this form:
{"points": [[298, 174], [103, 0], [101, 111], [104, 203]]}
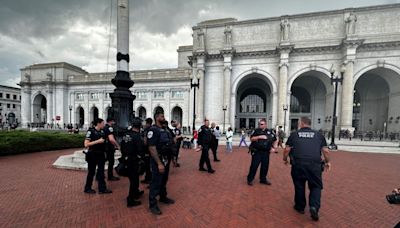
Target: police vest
{"points": [[94, 135], [262, 144]]}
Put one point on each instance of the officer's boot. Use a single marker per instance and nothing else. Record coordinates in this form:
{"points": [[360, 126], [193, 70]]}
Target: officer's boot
{"points": [[132, 203], [155, 209]]}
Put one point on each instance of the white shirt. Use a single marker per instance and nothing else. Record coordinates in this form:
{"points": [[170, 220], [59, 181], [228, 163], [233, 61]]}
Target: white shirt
{"points": [[229, 136]]}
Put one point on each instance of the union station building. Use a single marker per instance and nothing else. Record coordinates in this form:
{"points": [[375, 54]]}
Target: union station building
{"points": [[277, 68]]}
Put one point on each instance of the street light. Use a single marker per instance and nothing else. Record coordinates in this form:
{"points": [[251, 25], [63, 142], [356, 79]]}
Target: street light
{"points": [[194, 85], [70, 115], [335, 80], [285, 108], [224, 108]]}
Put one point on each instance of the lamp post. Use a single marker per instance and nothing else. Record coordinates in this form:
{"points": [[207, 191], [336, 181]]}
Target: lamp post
{"points": [[285, 108], [224, 108], [335, 80], [194, 85], [70, 111]]}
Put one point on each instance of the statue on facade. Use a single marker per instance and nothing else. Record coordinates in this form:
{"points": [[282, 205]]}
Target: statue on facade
{"points": [[228, 36], [200, 39], [285, 29], [351, 24]]}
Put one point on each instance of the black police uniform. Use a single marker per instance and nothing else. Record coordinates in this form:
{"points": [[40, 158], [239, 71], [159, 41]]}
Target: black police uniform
{"points": [[146, 159], [162, 140], [133, 147], [214, 144], [177, 132], [95, 157], [205, 141], [305, 156], [260, 154], [110, 151]]}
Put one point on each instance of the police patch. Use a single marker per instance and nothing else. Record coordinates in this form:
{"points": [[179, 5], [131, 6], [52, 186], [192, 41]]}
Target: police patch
{"points": [[88, 134], [149, 134], [111, 129]]}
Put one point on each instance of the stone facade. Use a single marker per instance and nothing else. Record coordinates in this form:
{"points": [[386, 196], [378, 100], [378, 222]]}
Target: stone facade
{"points": [[253, 69], [10, 105]]}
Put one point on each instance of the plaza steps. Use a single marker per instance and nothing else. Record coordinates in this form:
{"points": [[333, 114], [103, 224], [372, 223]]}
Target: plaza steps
{"points": [[76, 161]]}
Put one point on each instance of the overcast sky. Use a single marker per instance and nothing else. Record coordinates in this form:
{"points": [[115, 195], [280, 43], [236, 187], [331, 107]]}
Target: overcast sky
{"points": [[77, 31]]}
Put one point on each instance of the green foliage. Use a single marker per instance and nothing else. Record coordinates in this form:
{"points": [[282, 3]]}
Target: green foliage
{"points": [[17, 142]]}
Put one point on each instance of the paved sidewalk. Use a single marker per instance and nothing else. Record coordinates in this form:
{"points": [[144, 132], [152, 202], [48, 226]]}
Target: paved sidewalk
{"points": [[33, 194]]}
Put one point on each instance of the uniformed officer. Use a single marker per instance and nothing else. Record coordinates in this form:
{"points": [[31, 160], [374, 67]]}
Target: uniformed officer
{"points": [[147, 177], [95, 156], [304, 147], [159, 141], [214, 142], [111, 144], [179, 138], [263, 141], [204, 143], [132, 146]]}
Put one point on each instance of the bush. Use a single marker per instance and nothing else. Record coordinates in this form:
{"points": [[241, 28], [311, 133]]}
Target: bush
{"points": [[17, 142]]}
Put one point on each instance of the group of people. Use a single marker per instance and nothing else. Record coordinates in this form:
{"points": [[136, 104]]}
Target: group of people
{"points": [[157, 146]]}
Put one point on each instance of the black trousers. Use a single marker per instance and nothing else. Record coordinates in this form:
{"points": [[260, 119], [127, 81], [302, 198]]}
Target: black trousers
{"points": [[111, 161], [178, 147], [204, 157], [147, 176], [311, 173], [95, 159], [214, 148], [133, 180], [158, 186], [257, 158]]}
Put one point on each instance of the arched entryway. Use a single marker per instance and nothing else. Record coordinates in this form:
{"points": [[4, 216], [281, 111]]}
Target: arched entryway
{"points": [[177, 114], [142, 113], [310, 96], [376, 101], [253, 101], [39, 109], [107, 112], [80, 114], [94, 113]]}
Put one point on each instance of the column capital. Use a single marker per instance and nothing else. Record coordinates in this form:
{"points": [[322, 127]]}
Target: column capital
{"points": [[227, 52], [285, 48], [283, 64], [352, 43], [227, 67]]}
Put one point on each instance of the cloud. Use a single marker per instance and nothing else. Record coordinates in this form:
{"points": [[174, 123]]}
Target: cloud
{"points": [[77, 31]]}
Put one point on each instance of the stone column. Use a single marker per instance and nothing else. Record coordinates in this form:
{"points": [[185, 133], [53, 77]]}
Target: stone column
{"points": [[347, 96], [200, 96], [283, 77], [26, 106], [350, 46], [232, 112], [228, 54]]}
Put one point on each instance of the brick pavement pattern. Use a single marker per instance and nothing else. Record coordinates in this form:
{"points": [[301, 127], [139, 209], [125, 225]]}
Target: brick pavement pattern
{"points": [[34, 194]]}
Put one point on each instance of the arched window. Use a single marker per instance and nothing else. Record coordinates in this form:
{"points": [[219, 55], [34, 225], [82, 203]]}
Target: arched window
{"points": [[300, 101]]}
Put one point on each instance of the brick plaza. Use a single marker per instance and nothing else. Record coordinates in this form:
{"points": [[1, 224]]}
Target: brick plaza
{"points": [[34, 194]]}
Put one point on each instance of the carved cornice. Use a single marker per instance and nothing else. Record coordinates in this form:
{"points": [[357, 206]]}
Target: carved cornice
{"points": [[352, 43], [316, 49], [256, 53], [230, 51], [380, 45]]}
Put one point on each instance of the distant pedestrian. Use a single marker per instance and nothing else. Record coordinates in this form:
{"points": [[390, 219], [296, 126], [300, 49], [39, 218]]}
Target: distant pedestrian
{"points": [[243, 138], [229, 139]]}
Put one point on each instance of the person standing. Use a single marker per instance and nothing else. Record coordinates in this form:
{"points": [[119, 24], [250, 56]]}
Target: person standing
{"points": [[147, 176], [204, 145], [95, 157], [263, 141], [110, 144], [214, 142], [229, 139], [159, 142], [304, 147], [132, 146], [179, 138], [243, 138], [217, 135]]}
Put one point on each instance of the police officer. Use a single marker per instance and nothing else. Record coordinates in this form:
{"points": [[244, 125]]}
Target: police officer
{"points": [[204, 143], [214, 142], [159, 142], [132, 146], [304, 147], [179, 138], [147, 177], [95, 157], [263, 141], [110, 144]]}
